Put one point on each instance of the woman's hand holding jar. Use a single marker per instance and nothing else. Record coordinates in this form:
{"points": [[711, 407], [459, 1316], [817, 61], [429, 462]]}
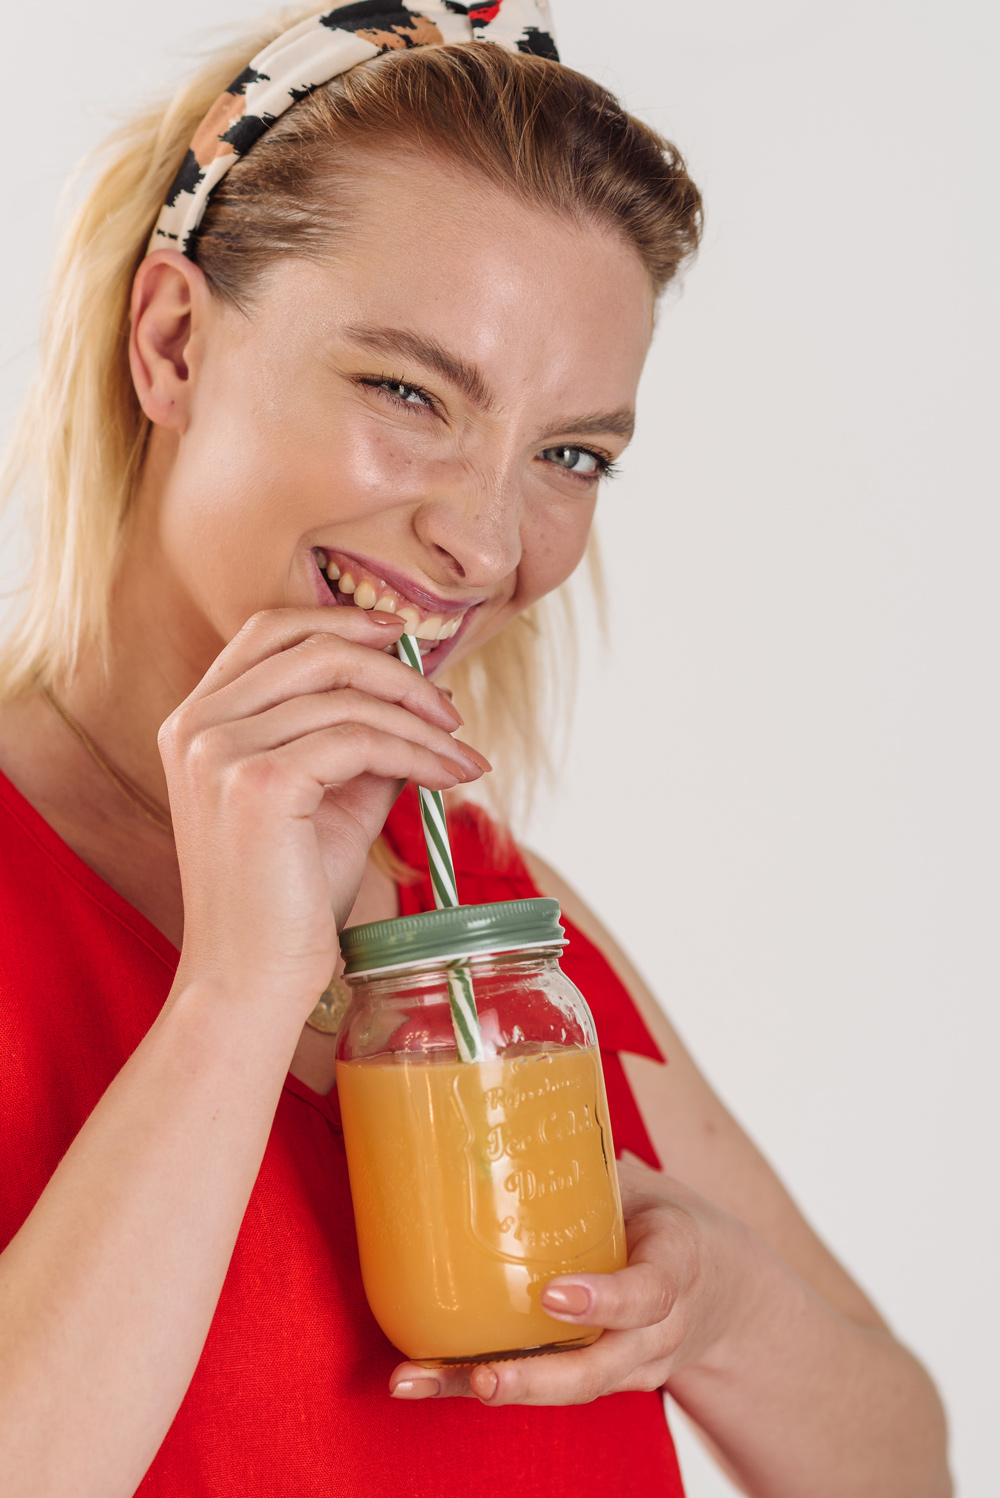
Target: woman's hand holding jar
{"points": [[708, 1311], [693, 1279]]}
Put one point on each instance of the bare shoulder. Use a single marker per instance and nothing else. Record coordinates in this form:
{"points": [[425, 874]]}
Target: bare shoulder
{"points": [[696, 1137]]}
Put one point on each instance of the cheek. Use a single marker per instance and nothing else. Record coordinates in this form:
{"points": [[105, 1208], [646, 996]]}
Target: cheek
{"points": [[233, 512], [372, 465], [251, 486], [221, 527], [554, 539]]}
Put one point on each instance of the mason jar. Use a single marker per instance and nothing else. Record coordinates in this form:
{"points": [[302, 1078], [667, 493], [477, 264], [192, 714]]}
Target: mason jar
{"points": [[474, 1182]]}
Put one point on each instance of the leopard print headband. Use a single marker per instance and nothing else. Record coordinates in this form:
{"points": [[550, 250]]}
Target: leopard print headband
{"points": [[308, 56]]}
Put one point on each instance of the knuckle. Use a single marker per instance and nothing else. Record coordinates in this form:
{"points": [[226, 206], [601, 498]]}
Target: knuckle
{"points": [[662, 1300], [679, 1329], [326, 651], [262, 622], [316, 641], [209, 749], [645, 1380], [175, 732], [349, 699], [355, 733], [330, 640], [592, 1387], [258, 627], [254, 776], [197, 750], [167, 735]]}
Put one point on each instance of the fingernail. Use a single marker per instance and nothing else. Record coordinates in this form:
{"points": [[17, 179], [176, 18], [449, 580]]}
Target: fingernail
{"points": [[566, 1300], [454, 715], [462, 769], [452, 709], [474, 757], [415, 1388], [380, 618], [484, 1383]]}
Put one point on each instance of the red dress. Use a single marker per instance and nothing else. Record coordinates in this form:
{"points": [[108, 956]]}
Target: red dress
{"points": [[289, 1399]]}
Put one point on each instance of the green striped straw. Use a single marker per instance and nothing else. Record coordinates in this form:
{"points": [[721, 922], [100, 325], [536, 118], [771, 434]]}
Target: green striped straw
{"points": [[461, 995], [432, 810]]}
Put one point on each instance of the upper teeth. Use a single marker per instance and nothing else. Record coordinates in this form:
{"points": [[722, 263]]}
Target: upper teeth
{"points": [[434, 627]]}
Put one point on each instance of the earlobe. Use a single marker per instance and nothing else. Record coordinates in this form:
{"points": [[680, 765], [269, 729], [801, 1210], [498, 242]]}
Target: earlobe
{"points": [[169, 299]]}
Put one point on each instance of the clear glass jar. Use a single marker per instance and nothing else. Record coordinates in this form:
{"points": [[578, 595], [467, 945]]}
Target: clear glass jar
{"points": [[474, 1182]]}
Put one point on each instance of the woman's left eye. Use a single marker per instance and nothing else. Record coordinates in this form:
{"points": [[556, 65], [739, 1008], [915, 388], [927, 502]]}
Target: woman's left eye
{"points": [[578, 460]]}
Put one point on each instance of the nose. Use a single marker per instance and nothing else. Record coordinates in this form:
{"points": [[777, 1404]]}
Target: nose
{"points": [[473, 530]]}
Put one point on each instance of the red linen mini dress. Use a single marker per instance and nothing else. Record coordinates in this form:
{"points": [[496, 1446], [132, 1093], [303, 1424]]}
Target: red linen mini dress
{"points": [[289, 1398]]}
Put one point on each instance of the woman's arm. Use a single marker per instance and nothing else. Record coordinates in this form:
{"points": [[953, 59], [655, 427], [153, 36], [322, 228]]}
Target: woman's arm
{"points": [[809, 1393], [281, 767], [730, 1301], [108, 1290], [697, 1140]]}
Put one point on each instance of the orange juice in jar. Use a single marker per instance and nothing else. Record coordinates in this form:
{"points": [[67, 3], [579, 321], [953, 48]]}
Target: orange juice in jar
{"points": [[474, 1182]]}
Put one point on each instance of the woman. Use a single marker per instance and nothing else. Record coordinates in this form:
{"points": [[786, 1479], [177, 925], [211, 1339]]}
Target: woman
{"points": [[384, 346]]}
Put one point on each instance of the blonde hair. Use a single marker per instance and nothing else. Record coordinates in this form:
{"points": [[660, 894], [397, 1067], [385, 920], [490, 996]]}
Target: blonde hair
{"points": [[531, 126]]}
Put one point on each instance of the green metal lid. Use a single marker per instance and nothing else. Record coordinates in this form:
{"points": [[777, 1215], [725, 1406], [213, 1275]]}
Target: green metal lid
{"points": [[463, 931]]}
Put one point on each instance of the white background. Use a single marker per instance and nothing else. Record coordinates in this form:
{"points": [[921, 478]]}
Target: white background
{"points": [[797, 712]]}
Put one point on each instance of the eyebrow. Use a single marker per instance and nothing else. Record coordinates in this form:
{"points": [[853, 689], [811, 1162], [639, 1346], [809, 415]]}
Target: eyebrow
{"points": [[621, 423], [471, 382], [466, 377]]}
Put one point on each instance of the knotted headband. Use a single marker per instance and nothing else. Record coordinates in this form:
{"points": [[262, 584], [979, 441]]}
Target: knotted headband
{"points": [[308, 56]]}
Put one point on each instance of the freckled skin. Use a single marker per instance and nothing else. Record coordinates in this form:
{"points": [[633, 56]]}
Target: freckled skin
{"points": [[284, 450]]}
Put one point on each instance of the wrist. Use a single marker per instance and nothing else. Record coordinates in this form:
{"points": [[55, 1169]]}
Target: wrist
{"points": [[760, 1300], [232, 1014], [285, 992]]}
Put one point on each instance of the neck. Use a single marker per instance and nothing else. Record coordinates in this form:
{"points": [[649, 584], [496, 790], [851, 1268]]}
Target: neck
{"points": [[159, 650]]}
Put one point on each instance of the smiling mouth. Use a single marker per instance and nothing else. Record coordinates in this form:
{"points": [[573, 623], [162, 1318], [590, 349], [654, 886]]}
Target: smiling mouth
{"points": [[355, 586]]}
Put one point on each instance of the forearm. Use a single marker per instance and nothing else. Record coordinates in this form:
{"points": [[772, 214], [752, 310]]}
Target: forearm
{"points": [[800, 1400], [108, 1291]]}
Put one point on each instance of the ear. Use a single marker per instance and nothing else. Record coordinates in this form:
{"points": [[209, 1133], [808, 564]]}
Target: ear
{"points": [[171, 307]]}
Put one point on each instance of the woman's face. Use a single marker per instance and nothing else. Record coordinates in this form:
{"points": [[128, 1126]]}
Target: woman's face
{"points": [[428, 414]]}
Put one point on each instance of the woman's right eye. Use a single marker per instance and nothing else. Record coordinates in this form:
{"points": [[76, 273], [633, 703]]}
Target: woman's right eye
{"points": [[399, 390]]}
